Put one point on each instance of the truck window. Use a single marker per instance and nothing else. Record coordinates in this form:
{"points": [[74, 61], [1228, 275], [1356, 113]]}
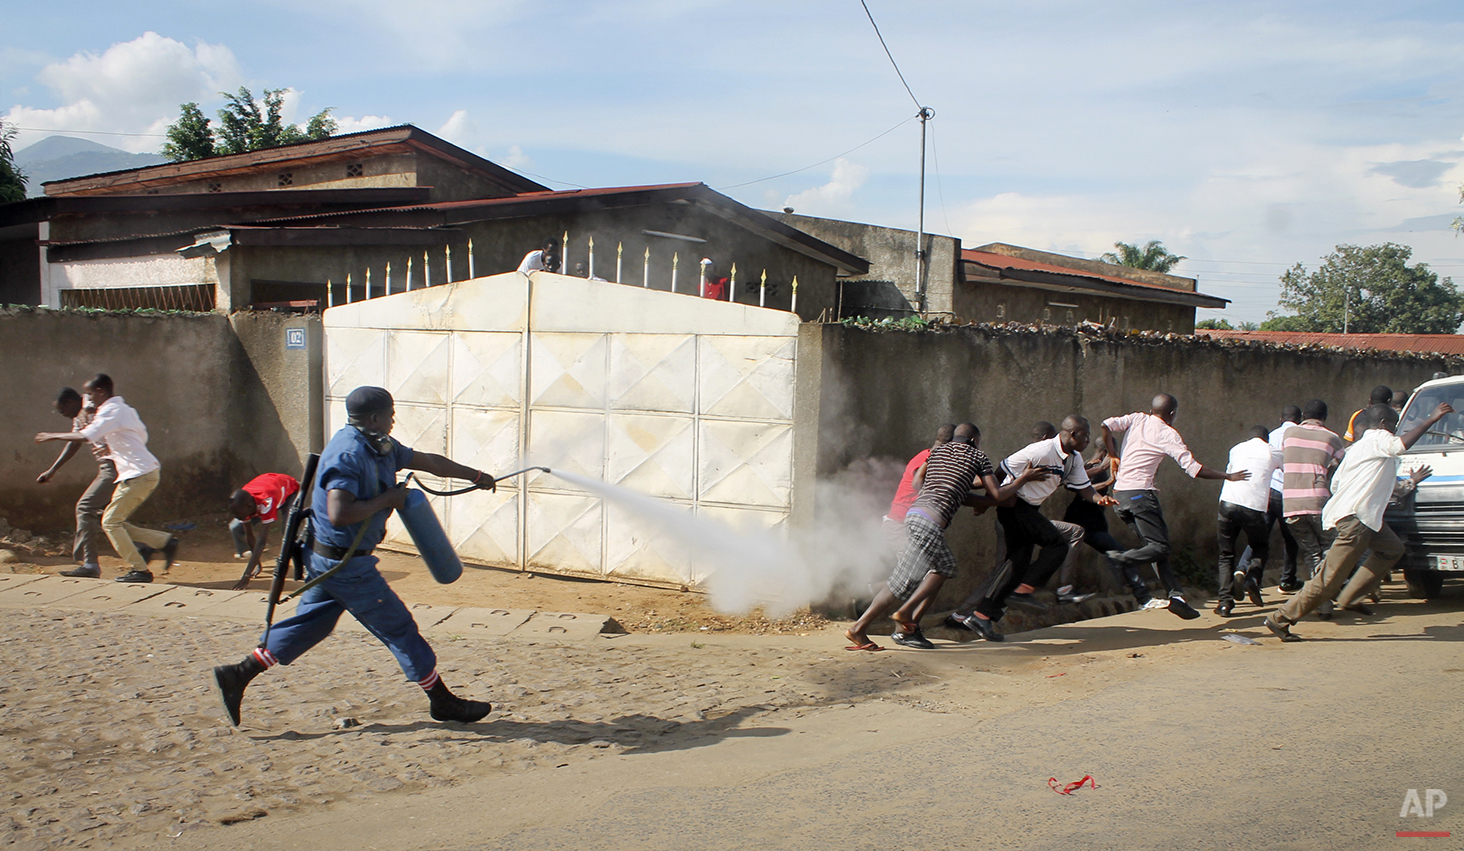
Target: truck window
{"points": [[1447, 432]]}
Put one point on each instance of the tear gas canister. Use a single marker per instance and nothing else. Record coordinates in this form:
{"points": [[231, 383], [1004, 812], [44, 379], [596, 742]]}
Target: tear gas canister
{"points": [[431, 542]]}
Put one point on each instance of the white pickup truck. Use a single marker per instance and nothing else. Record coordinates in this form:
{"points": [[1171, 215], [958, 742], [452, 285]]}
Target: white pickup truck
{"points": [[1431, 520]]}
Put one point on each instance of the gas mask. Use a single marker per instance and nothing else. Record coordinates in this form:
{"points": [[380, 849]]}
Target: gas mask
{"points": [[380, 442]]}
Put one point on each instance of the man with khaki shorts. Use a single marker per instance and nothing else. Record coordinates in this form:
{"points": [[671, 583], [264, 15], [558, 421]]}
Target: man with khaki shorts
{"points": [[117, 425]]}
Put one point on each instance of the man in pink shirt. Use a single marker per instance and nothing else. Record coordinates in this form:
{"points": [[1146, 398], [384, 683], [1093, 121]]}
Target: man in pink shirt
{"points": [[905, 494], [1148, 439]]}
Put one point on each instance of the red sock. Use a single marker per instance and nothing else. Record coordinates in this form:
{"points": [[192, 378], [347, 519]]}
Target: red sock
{"points": [[429, 681]]}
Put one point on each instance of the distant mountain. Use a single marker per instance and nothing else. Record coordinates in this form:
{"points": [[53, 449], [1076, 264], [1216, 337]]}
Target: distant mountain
{"points": [[61, 157]]}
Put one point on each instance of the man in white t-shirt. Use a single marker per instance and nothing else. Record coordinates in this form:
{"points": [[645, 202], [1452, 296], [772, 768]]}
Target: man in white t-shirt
{"points": [[118, 427], [1361, 488], [1290, 416], [544, 259], [1243, 509]]}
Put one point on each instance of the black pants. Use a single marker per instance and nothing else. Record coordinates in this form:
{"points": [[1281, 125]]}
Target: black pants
{"points": [[1232, 520], [1141, 511], [1288, 540], [1025, 528], [1094, 520]]}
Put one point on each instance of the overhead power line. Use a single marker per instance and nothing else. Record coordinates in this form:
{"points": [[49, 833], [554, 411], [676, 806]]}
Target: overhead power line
{"points": [[93, 132], [822, 162], [886, 47]]}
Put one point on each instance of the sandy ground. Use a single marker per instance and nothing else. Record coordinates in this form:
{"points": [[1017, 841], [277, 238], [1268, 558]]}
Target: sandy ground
{"points": [[112, 737]]}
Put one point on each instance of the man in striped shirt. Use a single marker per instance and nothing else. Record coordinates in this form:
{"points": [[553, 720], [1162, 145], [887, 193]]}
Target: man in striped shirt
{"points": [[1309, 453], [1148, 438], [926, 562]]}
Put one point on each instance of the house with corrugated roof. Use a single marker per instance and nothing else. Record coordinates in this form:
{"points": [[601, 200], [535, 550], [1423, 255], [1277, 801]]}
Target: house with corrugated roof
{"points": [[366, 214]]}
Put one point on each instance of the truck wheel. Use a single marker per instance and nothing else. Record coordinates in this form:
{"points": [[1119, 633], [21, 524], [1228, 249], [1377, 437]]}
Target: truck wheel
{"points": [[1424, 584]]}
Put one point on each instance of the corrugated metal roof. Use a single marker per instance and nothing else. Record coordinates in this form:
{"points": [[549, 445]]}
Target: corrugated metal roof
{"points": [[1007, 263], [1446, 344]]}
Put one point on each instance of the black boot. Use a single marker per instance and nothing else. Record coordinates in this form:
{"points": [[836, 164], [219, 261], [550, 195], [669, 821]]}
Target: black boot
{"points": [[230, 681], [447, 706]]}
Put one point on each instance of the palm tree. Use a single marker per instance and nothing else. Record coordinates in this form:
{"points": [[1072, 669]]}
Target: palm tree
{"points": [[1153, 256]]}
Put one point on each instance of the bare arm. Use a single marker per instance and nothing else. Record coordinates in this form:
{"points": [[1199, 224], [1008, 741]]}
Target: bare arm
{"points": [[67, 451], [1094, 497], [1212, 473], [917, 481], [72, 436], [1417, 431], [1107, 449], [447, 468]]}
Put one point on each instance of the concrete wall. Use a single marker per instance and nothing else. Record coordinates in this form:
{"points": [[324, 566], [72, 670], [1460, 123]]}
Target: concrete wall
{"points": [[219, 396], [889, 288], [980, 300], [884, 394]]}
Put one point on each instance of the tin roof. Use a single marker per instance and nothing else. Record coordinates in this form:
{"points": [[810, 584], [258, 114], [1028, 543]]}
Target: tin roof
{"points": [[1033, 271]]}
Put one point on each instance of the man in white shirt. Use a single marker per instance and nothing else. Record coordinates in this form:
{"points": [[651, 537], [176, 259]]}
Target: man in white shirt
{"points": [[1243, 509], [544, 259], [1026, 528], [118, 427], [89, 508], [1361, 488], [1148, 439]]}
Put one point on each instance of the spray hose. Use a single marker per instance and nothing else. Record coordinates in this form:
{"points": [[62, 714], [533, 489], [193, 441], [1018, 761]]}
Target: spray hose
{"points": [[470, 488]]}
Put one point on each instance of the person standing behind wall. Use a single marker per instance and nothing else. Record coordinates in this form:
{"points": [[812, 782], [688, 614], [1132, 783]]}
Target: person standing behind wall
{"points": [[89, 508]]}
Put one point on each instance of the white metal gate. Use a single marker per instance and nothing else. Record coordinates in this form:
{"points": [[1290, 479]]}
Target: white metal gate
{"points": [[681, 398]]}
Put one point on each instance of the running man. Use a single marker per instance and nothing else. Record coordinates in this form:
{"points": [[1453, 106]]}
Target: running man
{"points": [[1148, 438], [1309, 452], [1243, 509], [118, 426], [1361, 489], [926, 562], [94, 501], [355, 489]]}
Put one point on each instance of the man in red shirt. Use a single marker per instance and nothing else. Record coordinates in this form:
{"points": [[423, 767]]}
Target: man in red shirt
{"points": [[255, 506], [716, 286]]}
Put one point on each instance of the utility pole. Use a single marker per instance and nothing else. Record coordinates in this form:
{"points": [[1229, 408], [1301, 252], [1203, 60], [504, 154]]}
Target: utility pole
{"points": [[926, 113]]}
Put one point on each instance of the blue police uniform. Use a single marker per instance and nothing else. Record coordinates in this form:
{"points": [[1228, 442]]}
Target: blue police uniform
{"points": [[350, 463]]}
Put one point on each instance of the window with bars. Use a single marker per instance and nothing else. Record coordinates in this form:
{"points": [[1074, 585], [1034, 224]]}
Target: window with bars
{"points": [[354, 170], [286, 179], [195, 297]]}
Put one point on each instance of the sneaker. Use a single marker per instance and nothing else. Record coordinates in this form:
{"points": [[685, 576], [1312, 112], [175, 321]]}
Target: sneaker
{"points": [[955, 621], [1154, 603], [1181, 608], [915, 638], [984, 628], [136, 576], [1253, 591], [229, 683], [86, 571], [1290, 587], [1075, 598]]}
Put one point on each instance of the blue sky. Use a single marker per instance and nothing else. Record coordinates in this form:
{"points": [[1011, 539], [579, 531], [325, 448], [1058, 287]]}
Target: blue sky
{"points": [[1246, 136]]}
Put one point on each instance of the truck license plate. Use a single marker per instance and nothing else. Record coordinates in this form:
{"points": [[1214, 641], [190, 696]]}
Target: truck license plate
{"points": [[1451, 563]]}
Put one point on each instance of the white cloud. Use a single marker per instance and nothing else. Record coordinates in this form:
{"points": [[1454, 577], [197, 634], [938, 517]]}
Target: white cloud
{"points": [[516, 158], [348, 124], [459, 129], [132, 87], [834, 196]]}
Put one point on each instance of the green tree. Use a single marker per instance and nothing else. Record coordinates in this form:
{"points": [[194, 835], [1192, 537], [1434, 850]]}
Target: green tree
{"points": [[1369, 289], [245, 124], [12, 179], [1285, 323], [1214, 325], [190, 137], [1153, 256]]}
